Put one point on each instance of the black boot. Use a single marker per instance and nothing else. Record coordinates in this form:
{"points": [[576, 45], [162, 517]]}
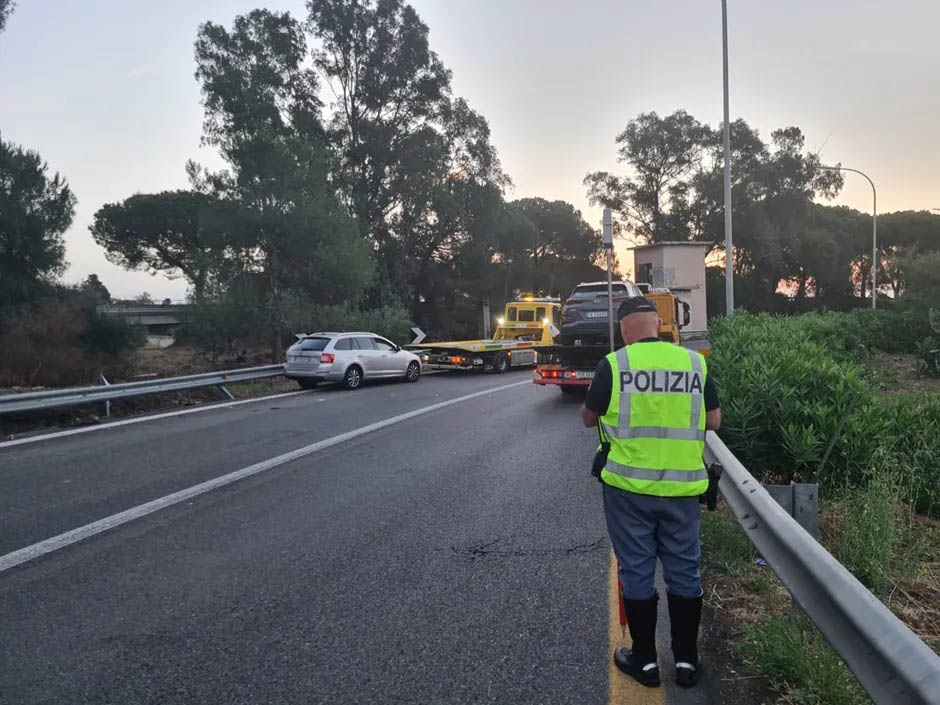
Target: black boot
{"points": [[685, 613], [639, 661]]}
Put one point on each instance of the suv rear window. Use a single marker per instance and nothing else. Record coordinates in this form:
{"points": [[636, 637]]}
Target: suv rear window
{"points": [[314, 343], [589, 292]]}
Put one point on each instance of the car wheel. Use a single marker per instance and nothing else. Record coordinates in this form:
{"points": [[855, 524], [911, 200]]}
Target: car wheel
{"points": [[500, 363], [353, 377], [306, 383], [413, 373]]}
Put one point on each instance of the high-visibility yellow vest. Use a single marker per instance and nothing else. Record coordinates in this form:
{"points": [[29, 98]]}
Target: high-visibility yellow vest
{"points": [[656, 421]]}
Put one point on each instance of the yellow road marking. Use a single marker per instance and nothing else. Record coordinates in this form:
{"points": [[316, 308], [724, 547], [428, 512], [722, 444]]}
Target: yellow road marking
{"points": [[623, 689]]}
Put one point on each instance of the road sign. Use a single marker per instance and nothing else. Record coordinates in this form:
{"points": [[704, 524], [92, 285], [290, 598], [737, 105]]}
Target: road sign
{"points": [[608, 230], [419, 335]]}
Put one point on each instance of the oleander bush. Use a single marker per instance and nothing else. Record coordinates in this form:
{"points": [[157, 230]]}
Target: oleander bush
{"points": [[787, 382]]}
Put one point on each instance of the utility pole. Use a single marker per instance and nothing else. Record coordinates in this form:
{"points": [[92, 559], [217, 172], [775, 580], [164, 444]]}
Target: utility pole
{"points": [[608, 237], [729, 245], [874, 231]]}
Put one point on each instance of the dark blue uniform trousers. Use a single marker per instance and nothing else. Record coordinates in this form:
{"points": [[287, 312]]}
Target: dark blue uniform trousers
{"points": [[642, 528]]}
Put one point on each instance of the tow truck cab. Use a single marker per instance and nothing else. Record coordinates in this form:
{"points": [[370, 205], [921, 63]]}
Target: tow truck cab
{"points": [[529, 318]]}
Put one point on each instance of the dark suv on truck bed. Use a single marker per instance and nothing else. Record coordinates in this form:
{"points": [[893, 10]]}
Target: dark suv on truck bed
{"points": [[584, 315]]}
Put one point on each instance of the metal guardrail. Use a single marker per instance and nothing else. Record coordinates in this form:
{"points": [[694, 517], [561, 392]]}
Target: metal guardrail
{"points": [[887, 658], [54, 398]]}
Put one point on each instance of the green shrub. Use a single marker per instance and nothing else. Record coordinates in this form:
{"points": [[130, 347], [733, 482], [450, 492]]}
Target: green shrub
{"points": [[913, 441], [782, 395], [844, 335], [785, 384], [221, 325], [928, 355], [107, 338]]}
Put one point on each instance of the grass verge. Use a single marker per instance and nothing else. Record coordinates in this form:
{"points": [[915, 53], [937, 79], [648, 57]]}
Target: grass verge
{"points": [[889, 548]]}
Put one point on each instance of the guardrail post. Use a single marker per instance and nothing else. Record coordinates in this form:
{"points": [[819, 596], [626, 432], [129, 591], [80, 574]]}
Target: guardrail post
{"points": [[226, 392], [783, 495], [107, 404], [806, 506], [801, 501]]}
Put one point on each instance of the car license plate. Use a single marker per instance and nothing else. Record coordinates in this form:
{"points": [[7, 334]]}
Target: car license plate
{"points": [[595, 314], [585, 374]]}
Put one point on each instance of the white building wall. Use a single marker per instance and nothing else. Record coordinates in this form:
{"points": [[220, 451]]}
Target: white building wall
{"points": [[680, 267]]}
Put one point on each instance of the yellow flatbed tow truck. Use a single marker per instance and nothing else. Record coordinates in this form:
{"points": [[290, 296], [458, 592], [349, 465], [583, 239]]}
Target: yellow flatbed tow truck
{"points": [[526, 322]]}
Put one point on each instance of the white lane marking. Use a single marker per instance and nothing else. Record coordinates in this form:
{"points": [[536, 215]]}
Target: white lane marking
{"points": [[141, 419], [36, 550]]}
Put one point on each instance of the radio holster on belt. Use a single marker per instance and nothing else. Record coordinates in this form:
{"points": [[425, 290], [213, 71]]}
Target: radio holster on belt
{"points": [[710, 498], [600, 457]]}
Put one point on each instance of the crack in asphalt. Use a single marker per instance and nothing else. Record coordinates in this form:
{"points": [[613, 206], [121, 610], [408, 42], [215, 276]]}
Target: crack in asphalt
{"points": [[493, 549]]}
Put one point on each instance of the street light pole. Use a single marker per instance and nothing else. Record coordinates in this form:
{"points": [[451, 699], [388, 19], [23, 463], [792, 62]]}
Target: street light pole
{"points": [[874, 230], [729, 246], [607, 235]]}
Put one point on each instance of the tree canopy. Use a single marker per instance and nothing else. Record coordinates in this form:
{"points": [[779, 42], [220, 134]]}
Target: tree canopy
{"points": [[6, 8], [36, 208], [389, 192], [171, 232], [354, 178]]}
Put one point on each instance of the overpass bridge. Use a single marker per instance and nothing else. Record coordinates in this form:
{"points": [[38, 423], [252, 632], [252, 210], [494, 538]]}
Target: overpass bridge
{"points": [[158, 319]]}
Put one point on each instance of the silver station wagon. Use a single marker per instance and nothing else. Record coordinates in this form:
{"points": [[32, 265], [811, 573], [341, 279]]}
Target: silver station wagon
{"points": [[348, 358]]}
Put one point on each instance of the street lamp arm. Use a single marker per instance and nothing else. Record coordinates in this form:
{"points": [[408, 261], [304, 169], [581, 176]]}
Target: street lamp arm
{"points": [[854, 171]]}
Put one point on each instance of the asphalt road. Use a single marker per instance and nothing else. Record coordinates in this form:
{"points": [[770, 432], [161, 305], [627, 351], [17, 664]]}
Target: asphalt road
{"points": [[455, 557], [459, 556]]}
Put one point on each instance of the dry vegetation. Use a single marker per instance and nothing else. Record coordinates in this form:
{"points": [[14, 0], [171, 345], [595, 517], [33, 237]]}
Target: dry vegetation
{"points": [[148, 363], [774, 642], [898, 374]]}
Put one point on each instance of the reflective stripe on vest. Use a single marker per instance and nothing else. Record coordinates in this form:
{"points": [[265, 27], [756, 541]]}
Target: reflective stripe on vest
{"points": [[673, 434], [657, 475]]}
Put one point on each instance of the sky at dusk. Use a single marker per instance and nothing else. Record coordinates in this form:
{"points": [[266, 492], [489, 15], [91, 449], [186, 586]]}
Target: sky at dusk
{"points": [[104, 90]]}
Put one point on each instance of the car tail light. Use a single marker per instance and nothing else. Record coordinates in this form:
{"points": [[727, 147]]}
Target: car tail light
{"points": [[327, 358]]}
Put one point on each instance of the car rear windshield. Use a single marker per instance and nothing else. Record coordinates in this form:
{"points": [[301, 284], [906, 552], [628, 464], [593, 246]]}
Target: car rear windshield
{"points": [[308, 344], [590, 292]]}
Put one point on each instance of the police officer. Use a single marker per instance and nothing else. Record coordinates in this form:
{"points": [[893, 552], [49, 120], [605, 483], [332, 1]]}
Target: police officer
{"points": [[654, 401]]}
